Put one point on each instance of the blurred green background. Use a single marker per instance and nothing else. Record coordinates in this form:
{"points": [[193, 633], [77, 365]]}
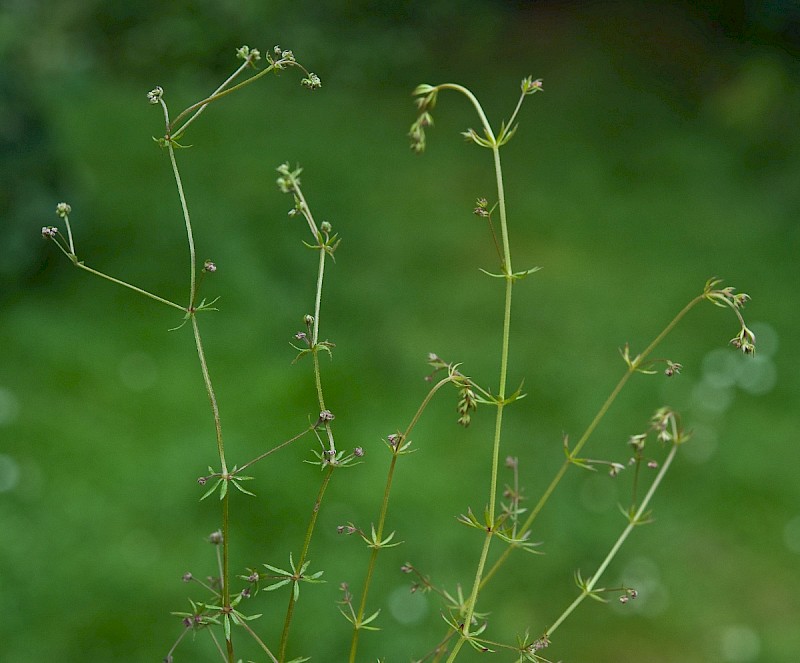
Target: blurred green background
{"points": [[664, 150]]}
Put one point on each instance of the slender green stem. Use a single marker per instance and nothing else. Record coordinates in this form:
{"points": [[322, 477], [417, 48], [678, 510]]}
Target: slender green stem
{"points": [[273, 450], [74, 260], [203, 105], [260, 642], [226, 592], [211, 396], [504, 354], [188, 223], [301, 560], [384, 512], [510, 125], [226, 584], [598, 417], [318, 297], [69, 235], [475, 103], [321, 401], [225, 579], [635, 520], [223, 93], [221, 652], [131, 287]]}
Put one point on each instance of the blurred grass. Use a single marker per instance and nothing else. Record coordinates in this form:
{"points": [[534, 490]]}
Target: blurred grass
{"points": [[645, 168]]}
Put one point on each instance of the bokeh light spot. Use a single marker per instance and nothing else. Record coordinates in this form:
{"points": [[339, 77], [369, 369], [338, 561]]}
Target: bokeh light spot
{"points": [[739, 644], [407, 607], [9, 473], [9, 407]]}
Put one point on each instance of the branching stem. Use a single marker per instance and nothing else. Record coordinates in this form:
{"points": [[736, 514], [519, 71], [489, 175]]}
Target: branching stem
{"points": [[635, 520], [373, 558]]}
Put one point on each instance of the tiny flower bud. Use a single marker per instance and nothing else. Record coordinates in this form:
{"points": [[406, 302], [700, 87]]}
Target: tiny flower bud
{"points": [[246, 593], [202, 480], [624, 599], [406, 568], [637, 441], [49, 231], [154, 96], [325, 227], [215, 538], [652, 464], [358, 452], [740, 299], [530, 86], [326, 415], [312, 82], [62, 209], [616, 468], [187, 577], [209, 266], [309, 320]]}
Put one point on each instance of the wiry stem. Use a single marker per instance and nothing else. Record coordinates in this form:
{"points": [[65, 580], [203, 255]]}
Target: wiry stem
{"points": [[321, 402], [634, 520], [504, 354], [373, 558], [640, 360], [225, 580], [301, 560]]}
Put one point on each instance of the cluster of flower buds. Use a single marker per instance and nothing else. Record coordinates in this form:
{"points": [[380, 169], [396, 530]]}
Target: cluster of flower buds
{"points": [[249, 55], [425, 101], [481, 206], [467, 402], [539, 644], [665, 423], [154, 96], [531, 86], [745, 341], [311, 82], [289, 179]]}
